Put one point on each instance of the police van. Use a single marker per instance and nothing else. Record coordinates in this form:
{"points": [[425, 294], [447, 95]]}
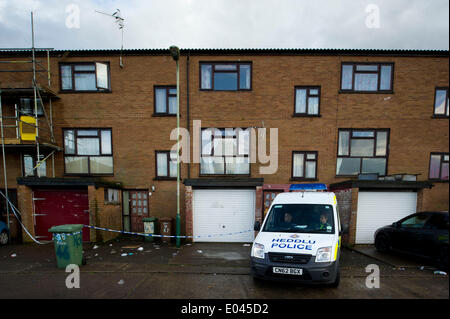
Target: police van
{"points": [[299, 239]]}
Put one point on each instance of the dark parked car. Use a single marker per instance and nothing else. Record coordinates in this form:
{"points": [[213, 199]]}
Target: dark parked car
{"points": [[422, 234]]}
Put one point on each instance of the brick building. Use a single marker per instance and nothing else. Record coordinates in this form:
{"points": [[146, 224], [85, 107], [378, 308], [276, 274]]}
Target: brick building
{"points": [[371, 124]]}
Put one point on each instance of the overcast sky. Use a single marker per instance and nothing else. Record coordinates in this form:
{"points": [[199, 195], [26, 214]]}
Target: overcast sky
{"points": [[74, 24]]}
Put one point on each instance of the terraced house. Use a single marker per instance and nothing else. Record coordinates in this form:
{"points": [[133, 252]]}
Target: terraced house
{"points": [[371, 124]]}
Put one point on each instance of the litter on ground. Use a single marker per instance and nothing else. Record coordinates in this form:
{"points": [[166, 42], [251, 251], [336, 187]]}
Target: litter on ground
{"points": [[140, 248], [438, 272], [121, 282], [13, 255], [130, 247], [95, 247], [123, 255], [199, 251]]}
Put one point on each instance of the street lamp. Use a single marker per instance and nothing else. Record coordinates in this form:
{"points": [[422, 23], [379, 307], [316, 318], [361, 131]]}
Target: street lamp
{"points": [[175, 53]]}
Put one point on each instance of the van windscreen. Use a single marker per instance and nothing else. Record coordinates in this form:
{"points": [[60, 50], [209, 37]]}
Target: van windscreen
{"points": [[300, 218]]}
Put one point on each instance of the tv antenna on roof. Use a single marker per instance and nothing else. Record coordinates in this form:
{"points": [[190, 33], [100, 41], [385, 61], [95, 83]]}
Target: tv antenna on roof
{"points": [[120, 22]]}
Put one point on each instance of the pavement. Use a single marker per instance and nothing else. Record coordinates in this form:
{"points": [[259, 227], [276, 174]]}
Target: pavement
{"points": [[130, 268]]}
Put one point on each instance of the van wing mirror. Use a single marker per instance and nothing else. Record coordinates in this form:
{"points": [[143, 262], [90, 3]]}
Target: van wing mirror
{"points": [[257, 226]]}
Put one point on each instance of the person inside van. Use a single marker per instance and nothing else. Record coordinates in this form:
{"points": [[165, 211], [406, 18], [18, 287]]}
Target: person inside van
{"points": [[287, 220], [324, 222]]}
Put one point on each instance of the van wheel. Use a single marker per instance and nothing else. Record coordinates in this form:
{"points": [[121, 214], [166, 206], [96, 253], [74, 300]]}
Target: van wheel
{"points": [[4, 238], [336, 282]]}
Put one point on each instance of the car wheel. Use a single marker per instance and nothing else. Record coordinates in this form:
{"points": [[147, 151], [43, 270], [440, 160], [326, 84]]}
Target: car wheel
{"points": [[382, 243], [4, 238]]}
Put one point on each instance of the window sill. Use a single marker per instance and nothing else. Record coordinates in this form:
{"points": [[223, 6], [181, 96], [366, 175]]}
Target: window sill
{"points": [[164, 115], [438, 180], [301, 179], [365, 92], [165, 178], [440, 117], [77, 92], [86, 175], [223, 175], [306, 115], [112, 203], [240, 90]]}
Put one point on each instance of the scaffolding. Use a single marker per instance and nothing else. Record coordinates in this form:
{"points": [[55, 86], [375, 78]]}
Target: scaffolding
{"points": [[23, 121]]}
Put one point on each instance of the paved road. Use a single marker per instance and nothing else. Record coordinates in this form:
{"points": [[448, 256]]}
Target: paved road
{"points": [[199, 271]]}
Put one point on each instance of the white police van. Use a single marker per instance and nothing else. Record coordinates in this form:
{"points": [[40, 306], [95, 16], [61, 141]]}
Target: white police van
{"points": [[299, 239]]}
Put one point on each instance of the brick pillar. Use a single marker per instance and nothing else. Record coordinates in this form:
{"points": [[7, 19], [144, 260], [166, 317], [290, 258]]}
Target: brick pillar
{"points": [[25, 206], [93, 214], [188, 212], [354, 216]]}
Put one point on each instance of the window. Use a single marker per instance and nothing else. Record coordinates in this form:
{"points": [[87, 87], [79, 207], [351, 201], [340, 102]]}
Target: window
{"points": [[441, 102], [307, 101], [166, 164], [300, 218], [438, 221], [165, 100], [112, 196], [225, 76], [439, 166], [27, 107], [367, 77], [85, 77], [225, 152], [416, 221], [362, 152], [88, 151], [304, 165], [29, 162]]}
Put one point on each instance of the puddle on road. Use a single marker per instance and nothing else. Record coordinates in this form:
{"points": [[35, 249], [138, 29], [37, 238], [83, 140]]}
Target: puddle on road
{"points": [[225, 255]]}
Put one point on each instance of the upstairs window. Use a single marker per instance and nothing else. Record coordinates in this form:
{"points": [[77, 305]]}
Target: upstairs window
{"points": [[165, 100], [439, 166], [29, 163], [362, 152], [225, 76], [304, 165], [367, 77], [441, 102], [225, 152], [85, 77], [88, 152], [27, 107], [166, 164], [307, 101]]}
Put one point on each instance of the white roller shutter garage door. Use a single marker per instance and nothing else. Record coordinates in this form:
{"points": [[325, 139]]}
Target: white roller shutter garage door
{"points": [[219, 212], [378, 209]]}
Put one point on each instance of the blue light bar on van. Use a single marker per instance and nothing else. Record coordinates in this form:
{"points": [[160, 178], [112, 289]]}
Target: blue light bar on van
{"points": [[304, 187]]}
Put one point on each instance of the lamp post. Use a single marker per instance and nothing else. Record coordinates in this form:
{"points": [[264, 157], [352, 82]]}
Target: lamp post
{"points": [[175, 53]]}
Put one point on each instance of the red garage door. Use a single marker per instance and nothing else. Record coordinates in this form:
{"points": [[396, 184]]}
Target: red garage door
{"points": [[60, 207]]}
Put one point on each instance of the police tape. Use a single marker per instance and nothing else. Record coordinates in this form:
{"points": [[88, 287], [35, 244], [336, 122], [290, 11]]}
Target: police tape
{"points": [[165, 236]]}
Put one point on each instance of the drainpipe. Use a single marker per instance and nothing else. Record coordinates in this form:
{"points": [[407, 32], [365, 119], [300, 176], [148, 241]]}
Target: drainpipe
{"points": [[187, 111]]}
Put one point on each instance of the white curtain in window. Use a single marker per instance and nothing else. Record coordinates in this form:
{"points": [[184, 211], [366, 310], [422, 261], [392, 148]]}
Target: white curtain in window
{"points": [[88, 146], [300, 101], [102, 75], [160, 101], [310, 169], [206, 76], [66, 77], [161, 164], [298, 165], [85, 82]]}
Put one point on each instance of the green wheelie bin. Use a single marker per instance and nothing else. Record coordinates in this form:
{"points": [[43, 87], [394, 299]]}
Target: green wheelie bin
{"points": [[68, 244]]}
